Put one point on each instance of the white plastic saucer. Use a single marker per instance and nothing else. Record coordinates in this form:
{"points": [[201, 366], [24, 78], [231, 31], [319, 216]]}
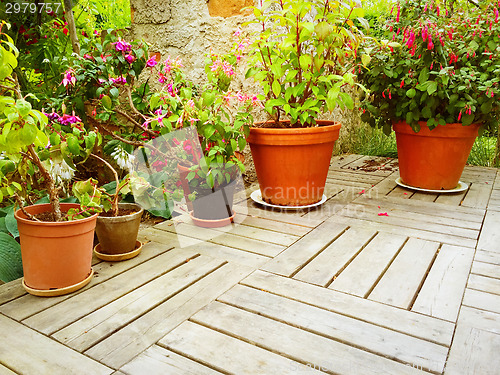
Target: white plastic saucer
{"points": [[462, 186], [257, 198]]}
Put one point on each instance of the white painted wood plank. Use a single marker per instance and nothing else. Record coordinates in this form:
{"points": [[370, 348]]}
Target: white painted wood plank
{"points": [[395, 229], [490, 235], [477, 196], [29, 305], [78, 306], [451, 199], [294, 257], [335, 257], [131, 340], [478, 174], [400, 193], [474, 351], [283, 216], [159, 361], [29, 352], [385, 186], [5, 371], [366, 336], [90, 329], [486, 269], [481, 319], [298, 230], [227, 354], [398, 285], [487, 257], [482, 300], [362, 274], [424, 197], [404, 321], [11, 291], [443, 289], [225, 238], [344, 175], [484, 284], [404, 219], [423, 212]]}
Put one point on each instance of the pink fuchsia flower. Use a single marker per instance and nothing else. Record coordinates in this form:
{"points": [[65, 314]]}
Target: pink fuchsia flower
{"points": [[151, 62], [69, 78], [496, 15], [119, 80], [69, 119], [88, 56], [122, 46], [190, 104], [130, 59], [237, 33], [193, 120]]}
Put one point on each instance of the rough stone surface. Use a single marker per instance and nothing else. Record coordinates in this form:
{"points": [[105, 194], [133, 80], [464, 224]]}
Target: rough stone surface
{"points": [[150, 11]]}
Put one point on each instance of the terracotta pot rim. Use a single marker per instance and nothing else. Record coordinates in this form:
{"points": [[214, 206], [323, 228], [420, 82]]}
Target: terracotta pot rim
{"points": [[326, 127], [19, 215], [450, 130]]}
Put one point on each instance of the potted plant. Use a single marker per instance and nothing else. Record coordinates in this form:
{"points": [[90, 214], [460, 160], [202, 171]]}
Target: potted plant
{"points": [[303, 56], [38, 153], [435, 81], [210, 159], [118, 222]]}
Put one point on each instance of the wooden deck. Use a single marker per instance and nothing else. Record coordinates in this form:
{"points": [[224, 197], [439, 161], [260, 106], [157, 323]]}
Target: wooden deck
{"points": [[378, 280]]}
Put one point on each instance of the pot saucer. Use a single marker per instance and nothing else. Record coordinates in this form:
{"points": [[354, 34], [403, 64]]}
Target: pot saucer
{"points": [[59, 291], [212, 223], [118, 257], [257, 198], [462, 186]]}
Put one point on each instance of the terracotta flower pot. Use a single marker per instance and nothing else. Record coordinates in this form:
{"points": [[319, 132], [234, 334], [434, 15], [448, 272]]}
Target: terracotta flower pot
{"points": [[433, 159], [292, 164], [56, 255], [214, 204], [118, 235]]}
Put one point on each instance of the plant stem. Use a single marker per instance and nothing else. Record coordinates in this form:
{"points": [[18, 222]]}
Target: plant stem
{"points": [[21, 206], [68, 7], [115, 196]]}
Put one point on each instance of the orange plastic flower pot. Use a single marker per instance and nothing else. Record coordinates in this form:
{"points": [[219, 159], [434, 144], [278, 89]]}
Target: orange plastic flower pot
{"points": [[433, 159], [55, 255], [292, 163]]}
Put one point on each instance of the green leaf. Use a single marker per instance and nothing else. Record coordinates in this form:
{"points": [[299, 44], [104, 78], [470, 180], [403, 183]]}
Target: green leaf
{"points": [[348, 101], [114, 92], [276, 88], [11, 224], [106, 102], [55, 139], [11, 266], [423, 76], [242, 143], [467, 119], [73, 145], [432, 87], [411, 93], [23, 107]]}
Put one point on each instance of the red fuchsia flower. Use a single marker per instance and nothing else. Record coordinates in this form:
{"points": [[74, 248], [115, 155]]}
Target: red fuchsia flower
{"points": [[130, 59], [402, 84], [152, 62], [88, 56], [193, 120], [69, 78], [94, 112], [69, 119], [65, 31], [399, 12], [430, 45], [496, 15]]}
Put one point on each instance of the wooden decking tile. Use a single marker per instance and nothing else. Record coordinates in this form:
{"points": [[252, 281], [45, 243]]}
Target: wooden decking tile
{"points": [[359, 334], [490, 235], [400, 320], [30, 352], [397, 287], [443, 289], [160, 361], [126, 343]]}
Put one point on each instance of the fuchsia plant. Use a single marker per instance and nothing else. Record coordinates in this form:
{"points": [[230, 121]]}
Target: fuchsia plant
{"points": [[438, 65]]}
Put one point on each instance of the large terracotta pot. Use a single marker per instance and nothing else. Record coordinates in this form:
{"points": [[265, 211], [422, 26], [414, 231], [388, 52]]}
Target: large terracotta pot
{"points": [[56, 256], [118, 235], [292, 164], [433, 159]]}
